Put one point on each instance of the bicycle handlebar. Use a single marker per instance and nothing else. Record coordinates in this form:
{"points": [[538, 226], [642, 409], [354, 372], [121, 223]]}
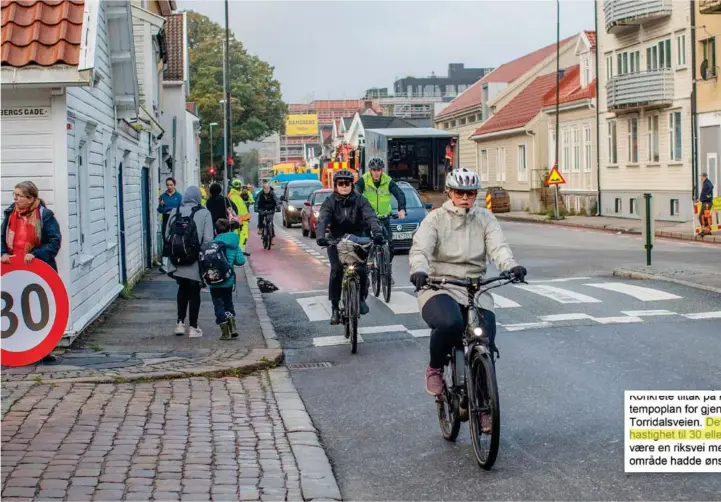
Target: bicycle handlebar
{"points": [[472, 283]]}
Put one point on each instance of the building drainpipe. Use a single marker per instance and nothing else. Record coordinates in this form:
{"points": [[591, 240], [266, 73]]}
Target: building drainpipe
{"points": [[598, 119], [694, 117]]}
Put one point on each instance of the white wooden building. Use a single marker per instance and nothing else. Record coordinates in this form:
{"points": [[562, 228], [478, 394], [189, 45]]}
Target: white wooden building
{"points": [[70, 124]]}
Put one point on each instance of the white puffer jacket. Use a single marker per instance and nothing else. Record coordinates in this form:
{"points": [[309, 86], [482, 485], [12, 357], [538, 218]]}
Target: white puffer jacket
{"points": [[455, 244]]}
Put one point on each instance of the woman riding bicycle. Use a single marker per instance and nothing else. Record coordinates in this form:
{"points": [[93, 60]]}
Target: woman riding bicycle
{"points": [[346, 212], [454, 242]]}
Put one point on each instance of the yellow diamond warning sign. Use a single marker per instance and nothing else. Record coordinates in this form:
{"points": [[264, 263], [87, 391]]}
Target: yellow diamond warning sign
{"points": [[555, 177]]}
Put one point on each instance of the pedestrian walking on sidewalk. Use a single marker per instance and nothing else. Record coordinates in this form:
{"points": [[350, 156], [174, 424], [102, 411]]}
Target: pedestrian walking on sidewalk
{"points": [[706, 200], [30, 229], [218, 204], [222, 293], [168, 201], [193, 229]]}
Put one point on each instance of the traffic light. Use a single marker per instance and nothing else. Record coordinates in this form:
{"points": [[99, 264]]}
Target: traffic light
{"points": [[211, 171]]}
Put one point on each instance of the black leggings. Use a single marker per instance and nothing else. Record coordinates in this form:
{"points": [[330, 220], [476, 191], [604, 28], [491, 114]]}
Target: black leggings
{"points": [[335, 283], [447, 320], [386, 222], [188, 293]]}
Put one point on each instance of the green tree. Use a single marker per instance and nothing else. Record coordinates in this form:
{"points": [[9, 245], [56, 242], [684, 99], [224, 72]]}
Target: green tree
{"points": [[257, 108], [248, 164]]}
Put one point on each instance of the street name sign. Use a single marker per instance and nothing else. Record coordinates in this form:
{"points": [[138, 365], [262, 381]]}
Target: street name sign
{"points": [[35, 311]]}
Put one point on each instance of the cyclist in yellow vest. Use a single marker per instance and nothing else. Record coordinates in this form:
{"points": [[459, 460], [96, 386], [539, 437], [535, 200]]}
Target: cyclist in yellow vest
{"points": [[235, 196], [378, 188]]}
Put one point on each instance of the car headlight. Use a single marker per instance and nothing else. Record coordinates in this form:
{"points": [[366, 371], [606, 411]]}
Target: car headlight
{"points": [[291, 208], [316, 213]]}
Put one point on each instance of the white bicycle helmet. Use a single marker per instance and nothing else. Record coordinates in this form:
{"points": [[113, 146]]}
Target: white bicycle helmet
{"points": [[463, 179]]}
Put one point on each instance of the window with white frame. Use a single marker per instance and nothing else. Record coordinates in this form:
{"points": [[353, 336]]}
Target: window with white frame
{"points": [[628, 62], [551, 147], [587, 149], [674, 207], [632, 206], [609, 67], [680, 50], [674, 135], [566, 144], [632, 132], [617, 205], [109, 189], [522, 163], [576, 166], [500, 164], [709, 69], [612, 143], [484, 165], [586, 73], [82, 180], [658, 55], [653, 139]]}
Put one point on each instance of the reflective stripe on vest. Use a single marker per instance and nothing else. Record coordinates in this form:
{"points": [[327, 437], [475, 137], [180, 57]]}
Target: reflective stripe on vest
{"points": [[380, 198]]}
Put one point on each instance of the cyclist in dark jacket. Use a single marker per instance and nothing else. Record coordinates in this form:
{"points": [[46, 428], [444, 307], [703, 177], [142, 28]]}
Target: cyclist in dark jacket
{"points": [[346, 212], [266, 202]]}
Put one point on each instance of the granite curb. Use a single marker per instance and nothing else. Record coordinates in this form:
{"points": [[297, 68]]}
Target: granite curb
{"points": [[711, 239], [633, 274], [266, 326]]}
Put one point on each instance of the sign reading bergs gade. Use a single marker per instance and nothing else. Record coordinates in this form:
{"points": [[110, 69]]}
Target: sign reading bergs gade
{"points": [[301, 125], [26, 112]]}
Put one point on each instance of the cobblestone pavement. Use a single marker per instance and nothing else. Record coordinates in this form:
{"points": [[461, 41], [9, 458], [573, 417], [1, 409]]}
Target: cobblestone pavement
{"points": [[189, 439]]}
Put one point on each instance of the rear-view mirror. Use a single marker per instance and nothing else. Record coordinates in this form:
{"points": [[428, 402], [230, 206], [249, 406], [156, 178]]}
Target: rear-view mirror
{"points": [[306, 203]]}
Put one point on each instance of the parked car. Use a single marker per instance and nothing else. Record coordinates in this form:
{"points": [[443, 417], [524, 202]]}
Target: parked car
{"points": [[294, 195], [311, 210], [416, 211]]}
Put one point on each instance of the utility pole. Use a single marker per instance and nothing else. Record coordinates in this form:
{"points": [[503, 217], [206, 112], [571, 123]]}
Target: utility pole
{"points": [[226, 87], [558, 93], [225, 128], [212, 164]]}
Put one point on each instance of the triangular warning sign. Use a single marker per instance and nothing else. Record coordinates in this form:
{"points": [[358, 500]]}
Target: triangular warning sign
{"points": [[555, 177]]}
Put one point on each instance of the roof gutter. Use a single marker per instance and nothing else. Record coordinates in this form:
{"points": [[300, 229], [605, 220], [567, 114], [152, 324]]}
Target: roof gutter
{"points": [[574, 105], [498, 134], [45, 77]]}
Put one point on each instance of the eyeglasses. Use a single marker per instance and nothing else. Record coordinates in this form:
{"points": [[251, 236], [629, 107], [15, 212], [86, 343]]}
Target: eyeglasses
{"points": [[465, 194], [343, 183]]}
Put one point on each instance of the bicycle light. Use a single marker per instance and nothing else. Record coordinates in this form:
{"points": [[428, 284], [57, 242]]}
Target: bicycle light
{"points": [[351, 267], [478, 332]]}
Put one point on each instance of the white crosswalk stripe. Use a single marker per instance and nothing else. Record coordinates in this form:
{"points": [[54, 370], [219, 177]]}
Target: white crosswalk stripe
{"points": [[560, 295], [501, 302], [317, 308], [647, 313], [704, 315], [403, 303], [639, 292]]}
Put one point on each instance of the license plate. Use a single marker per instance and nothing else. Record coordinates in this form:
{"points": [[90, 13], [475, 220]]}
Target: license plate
{"points": [[401, 236]]}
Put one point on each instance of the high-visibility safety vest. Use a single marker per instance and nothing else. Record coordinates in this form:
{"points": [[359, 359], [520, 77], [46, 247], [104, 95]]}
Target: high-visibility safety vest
{"points": [[379, 197]]}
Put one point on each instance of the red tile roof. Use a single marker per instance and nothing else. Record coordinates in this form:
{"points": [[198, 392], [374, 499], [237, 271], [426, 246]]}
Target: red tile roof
{"points": [[591, 35], [570, 89], [175, 42], [41, 32], [507, 72], [521, 109]]}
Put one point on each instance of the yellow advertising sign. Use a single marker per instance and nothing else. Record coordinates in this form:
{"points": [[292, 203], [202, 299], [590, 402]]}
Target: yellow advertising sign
{"points": [[301, 125]]}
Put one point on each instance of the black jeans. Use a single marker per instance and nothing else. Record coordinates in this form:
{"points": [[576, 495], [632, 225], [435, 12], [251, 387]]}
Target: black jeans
{"points": [[447, 321], [386, 222], [335, 283], [188, 294], [222, 303]]}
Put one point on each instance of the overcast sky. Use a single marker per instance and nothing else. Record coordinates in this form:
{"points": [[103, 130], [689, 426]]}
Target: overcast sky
{"points": [[338, 49]]}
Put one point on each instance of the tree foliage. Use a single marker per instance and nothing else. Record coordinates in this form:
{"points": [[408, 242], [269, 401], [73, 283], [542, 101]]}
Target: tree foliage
{"points": [[257, 108]]}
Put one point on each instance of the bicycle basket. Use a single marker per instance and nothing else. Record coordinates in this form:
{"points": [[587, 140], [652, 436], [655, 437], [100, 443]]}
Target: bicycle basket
{"points": [[351, 253]]}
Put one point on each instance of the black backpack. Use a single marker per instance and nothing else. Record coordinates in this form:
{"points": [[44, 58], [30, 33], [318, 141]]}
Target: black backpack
{"points": [[183, 242], [213, 261]]}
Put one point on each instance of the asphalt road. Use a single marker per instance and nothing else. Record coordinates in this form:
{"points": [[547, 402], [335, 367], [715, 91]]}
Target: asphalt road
{"points": [[570, 345]]}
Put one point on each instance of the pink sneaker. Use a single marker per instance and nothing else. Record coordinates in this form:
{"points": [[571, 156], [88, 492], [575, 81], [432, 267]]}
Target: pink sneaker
{"points": [[434, 381]]}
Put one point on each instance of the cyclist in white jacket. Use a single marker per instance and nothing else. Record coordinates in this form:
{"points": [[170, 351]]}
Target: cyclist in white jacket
{"points": [[454, 241]]}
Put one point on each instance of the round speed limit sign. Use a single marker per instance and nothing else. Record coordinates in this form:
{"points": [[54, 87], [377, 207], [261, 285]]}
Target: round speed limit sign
{"points": [[35, 311]]}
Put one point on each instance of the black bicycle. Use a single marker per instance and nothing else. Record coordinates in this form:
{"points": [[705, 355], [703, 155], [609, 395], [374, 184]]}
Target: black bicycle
{"points": [[470, 376], [381, 272], [351, 251], [268, 228]]}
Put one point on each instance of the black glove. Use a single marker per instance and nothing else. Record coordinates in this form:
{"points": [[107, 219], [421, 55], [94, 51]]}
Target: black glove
{"points": [[378, 239], [419, 279], [322, 242], [519, 272]]}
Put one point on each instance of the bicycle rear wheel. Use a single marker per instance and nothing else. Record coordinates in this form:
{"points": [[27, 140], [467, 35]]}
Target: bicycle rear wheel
{"points": [[483, 397], [376, 273], [386, 273], [353, 310]]}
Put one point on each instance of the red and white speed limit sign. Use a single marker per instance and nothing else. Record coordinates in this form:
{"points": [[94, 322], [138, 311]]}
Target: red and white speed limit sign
{"points": [[35, 311]]}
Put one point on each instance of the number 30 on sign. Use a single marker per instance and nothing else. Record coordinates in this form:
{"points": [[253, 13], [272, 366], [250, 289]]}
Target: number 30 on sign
{"points": [[35, 311]]}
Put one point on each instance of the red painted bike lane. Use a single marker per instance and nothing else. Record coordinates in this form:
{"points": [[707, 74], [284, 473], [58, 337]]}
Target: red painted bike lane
{"points": [[287, 265]]}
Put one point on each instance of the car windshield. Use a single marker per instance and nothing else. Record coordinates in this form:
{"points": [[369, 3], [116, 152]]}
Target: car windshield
{"points": [[301, 192], [320, 197], [412, 199]]}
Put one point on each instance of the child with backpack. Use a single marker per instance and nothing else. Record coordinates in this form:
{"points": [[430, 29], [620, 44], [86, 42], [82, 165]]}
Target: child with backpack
{"points": [[217, 259], [189, 227]]}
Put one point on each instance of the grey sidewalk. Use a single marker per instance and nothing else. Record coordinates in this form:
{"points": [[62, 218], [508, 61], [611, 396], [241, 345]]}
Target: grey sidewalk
{"points": [[699, 276]]}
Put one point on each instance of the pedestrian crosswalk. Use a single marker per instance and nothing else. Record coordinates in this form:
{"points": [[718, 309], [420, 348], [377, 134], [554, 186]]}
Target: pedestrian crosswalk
{"points": [[576, 301]]}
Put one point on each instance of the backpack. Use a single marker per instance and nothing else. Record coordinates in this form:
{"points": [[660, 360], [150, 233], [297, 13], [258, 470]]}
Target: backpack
{"points": [[213, 261], [183, 242]]}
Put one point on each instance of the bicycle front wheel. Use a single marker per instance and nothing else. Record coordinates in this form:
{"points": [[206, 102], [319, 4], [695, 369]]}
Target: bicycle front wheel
{"points": [[353, 310], [375, 274], [386, 272], [485, 409]]}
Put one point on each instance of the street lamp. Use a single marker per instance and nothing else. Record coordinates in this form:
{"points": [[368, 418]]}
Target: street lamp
{"points": [[212, 167]]}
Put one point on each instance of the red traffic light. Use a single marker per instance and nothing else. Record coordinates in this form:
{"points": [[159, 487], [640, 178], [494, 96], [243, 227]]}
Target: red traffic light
{"points": [[211, 170]]}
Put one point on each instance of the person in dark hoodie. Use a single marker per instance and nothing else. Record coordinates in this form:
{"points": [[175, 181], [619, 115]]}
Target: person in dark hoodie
{"points": [[30, 229], [706, 200], [218, 204]]}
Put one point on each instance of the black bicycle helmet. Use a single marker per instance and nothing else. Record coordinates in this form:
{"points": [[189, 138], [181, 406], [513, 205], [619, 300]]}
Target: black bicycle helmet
{"points": [[343, 174], [376, 163]]}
